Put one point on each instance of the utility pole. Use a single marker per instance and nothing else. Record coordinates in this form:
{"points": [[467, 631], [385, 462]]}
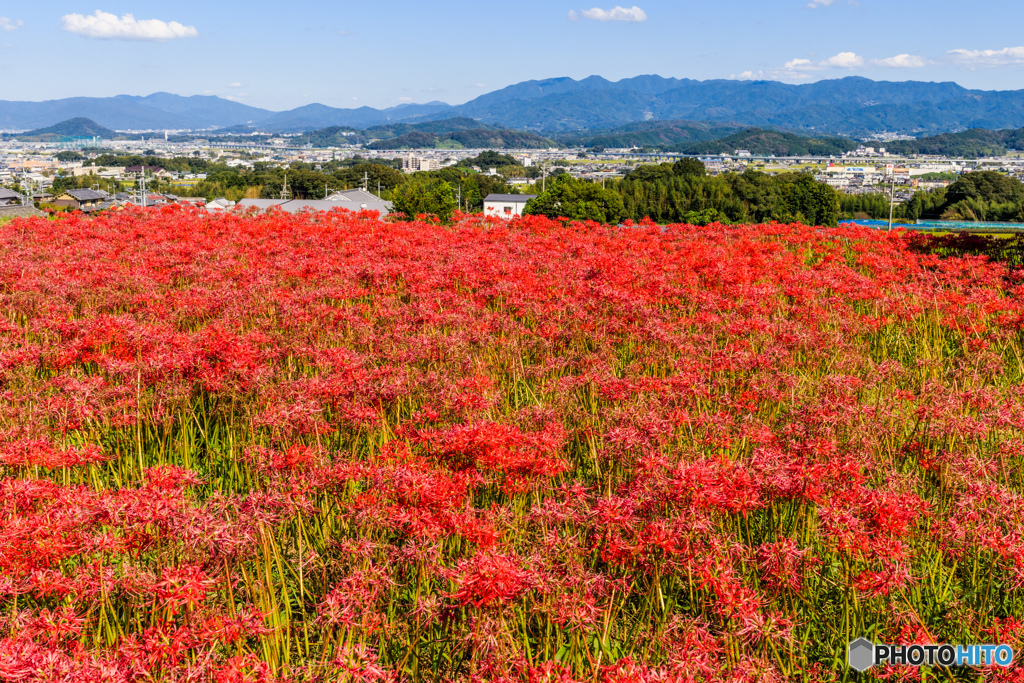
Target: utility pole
{"points": [[142, 182], [892, 197]]}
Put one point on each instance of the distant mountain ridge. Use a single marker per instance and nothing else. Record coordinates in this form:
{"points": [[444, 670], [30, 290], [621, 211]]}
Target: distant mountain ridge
{"points": [[852, 106]]}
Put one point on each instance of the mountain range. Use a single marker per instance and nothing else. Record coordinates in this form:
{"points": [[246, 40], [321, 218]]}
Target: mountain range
{"points": [[851, 106]]}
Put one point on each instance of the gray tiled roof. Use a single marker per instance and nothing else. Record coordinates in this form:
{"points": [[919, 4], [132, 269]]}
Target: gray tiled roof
{"points": [[509, 197], [8, 194], [86, 195], [358, 196], [297, 205], [17, 211]]}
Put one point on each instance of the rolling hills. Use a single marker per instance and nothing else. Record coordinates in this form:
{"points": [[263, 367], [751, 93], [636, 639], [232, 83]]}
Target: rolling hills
{"points": [[72, 128], [761, 142], [853, 106], [977, 142]]}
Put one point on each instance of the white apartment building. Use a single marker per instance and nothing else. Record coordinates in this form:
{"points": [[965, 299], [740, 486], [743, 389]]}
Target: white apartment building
{"points": [[411, 164]]}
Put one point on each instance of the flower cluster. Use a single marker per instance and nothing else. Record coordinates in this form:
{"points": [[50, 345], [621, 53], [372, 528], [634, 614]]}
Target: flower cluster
{"points": [[326, 447]]}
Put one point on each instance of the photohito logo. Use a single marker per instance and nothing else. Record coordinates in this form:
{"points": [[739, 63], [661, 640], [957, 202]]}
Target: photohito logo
{"points": [[862, 654]]}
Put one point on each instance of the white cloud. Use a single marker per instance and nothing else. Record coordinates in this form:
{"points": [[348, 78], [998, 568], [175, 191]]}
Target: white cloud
{"points": [[903, 61], [109, 26], [800, 65], [235, 85], [632, 14], [845, 60], [814, 4], [10, 24], [1008, 56]]}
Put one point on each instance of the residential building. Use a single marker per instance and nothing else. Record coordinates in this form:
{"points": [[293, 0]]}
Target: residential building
{"points": [[506, 206], [8, 197], [411, 164], [84, 200]]}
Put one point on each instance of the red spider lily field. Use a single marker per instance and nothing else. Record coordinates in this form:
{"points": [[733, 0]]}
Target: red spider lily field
{"points": [[328, 447]]}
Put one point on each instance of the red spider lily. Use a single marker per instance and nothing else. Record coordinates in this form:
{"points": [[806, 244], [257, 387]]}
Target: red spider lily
{"points": [[491, 580], [327, 447]]}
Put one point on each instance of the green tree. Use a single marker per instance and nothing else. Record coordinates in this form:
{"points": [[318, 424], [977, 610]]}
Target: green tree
{"points": [[688, 166], [989, 186], [387, 177], [425, 195], [806, 200], [489, 159], [570, 197]]}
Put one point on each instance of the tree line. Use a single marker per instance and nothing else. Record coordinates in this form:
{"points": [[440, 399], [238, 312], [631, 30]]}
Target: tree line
{"points": [[682, 192], [977, 196]]}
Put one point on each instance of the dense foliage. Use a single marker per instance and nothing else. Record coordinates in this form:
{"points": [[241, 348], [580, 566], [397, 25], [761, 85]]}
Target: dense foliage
{"points": [[570, 197], [669, 193], [977, 196], [328, 448], [425, 195], [489, 159]]}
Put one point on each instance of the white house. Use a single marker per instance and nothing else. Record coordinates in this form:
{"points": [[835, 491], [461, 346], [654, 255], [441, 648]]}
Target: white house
{"points": [[506, 206]]}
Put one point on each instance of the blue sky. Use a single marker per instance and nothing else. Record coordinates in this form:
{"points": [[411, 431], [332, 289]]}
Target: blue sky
{"points": [[280, 55]]}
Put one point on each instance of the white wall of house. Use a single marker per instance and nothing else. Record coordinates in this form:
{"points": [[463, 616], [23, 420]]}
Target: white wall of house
{"points": [[504, 209]]}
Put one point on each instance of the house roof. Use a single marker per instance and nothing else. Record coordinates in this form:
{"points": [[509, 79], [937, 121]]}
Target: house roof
{"points": [[297, 205], [97, 207], [358, 196], [261, 204], [18, 211], [509, 197], [86, 195], [8, 194]]}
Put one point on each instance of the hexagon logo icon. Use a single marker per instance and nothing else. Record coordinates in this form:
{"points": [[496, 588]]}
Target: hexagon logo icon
{"points": [[861, 654]]}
